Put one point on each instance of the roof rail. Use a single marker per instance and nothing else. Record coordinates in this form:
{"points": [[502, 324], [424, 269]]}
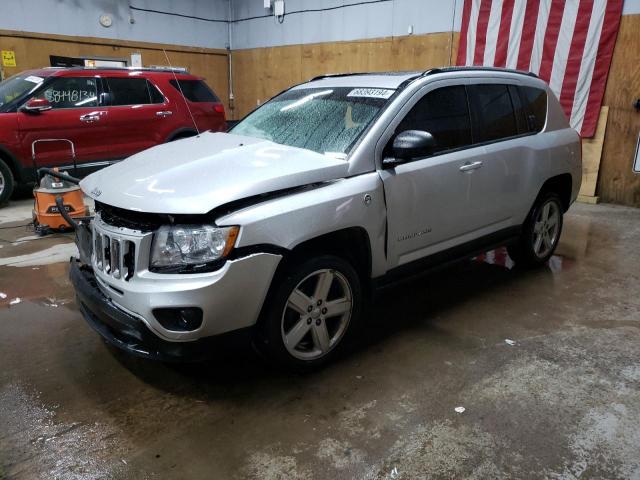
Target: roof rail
{"points": [[477, 69], [333, 75], [134, 69]]}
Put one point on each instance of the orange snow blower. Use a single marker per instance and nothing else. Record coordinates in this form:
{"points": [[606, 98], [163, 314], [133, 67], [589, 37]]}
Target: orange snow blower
{"points": [[54, 192]]}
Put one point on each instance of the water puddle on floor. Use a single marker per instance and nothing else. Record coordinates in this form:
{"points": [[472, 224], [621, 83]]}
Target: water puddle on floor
{"points": [[47, 285]]}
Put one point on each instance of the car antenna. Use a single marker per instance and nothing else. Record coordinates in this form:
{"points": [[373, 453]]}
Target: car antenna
{"points": [[184, 99]]}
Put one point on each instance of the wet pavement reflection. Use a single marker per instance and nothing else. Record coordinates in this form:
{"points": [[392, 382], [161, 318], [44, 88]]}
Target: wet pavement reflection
{"points": [[562, 393]]}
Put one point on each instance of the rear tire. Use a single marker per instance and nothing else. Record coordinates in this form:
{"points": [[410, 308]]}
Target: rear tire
{"points": [[540, 232], [313, 313], [7, 183]]}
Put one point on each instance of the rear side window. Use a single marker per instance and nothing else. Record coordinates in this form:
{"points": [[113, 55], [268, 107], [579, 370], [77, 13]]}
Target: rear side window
{"points": [[132, 91], [443, 113], [195, 90], [492, 112], [519, 110], [535, 104]]}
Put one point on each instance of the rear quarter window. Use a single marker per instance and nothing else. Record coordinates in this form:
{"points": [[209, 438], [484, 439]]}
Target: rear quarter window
{"points": [[534, 101], [195, 90]]}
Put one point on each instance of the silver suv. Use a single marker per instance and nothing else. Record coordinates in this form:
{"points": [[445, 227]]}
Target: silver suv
{"points": [[283, 227]]}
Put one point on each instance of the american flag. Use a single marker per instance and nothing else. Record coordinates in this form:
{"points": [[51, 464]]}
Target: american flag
{"points": [[567, 43]]}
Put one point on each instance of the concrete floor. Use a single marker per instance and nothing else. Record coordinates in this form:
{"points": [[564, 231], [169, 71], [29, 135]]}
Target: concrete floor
{"points": [[545, 364]]}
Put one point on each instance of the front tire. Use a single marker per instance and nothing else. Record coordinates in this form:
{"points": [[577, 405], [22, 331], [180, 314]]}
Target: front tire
{"points": [[540, 233], [7, 183], [313, 313]]}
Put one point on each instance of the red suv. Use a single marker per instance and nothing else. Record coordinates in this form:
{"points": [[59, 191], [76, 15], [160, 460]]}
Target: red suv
{"points": [[104, 114]]}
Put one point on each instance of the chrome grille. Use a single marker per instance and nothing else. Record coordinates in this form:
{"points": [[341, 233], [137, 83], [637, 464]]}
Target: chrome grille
{"points": [[115, 252]]}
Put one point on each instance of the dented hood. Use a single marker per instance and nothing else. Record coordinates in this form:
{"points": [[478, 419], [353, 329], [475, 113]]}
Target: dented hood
{"points": [[198, 174]]}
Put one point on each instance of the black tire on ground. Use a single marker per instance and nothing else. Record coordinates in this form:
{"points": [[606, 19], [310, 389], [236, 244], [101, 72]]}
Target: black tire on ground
{"points": [[279, 316], [7, 183], [532, 250]]}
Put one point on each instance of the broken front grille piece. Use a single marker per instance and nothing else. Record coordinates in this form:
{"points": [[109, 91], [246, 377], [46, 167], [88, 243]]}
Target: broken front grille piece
{"points": [[114, 255]]}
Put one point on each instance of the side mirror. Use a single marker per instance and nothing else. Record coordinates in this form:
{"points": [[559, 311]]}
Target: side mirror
{"points": [[411, 144], [36, 105]]}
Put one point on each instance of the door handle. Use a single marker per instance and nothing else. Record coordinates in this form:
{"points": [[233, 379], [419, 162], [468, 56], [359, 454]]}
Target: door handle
{"points": [[93, 116], [470, 166], [90, 117], [164, 113]]}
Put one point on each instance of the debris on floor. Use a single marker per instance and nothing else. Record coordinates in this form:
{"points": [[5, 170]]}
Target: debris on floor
{"points": [[53, 302], [509, 341], [459, 409]]}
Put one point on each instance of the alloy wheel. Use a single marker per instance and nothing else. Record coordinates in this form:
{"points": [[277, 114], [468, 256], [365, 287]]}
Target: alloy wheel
{"points": [[317, 314], [546, 229]]}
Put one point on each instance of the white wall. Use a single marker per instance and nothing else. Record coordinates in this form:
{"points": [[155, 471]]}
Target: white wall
{"points": [[80, 17], [385, 19], [631, 7]]}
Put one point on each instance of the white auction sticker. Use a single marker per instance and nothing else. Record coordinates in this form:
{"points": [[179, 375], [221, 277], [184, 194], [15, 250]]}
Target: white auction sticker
{"points": [[371, 92], [34, 79]]}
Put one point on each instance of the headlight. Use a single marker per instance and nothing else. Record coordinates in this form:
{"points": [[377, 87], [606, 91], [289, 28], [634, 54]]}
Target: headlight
{"points": [[189, 247]]}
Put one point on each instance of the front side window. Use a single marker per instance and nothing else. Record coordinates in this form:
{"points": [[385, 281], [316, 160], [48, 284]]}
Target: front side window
{"points": [[492, 112], [445, 115], [16, 87], [132, 91], [319, 119], [71, 92]]}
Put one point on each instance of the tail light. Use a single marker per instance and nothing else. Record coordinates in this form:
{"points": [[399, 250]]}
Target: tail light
{"points": [[219, 108]]}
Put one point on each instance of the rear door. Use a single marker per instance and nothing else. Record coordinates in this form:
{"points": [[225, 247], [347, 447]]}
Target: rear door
{"points": [[76, 118], [139, 116], [500, 124]]}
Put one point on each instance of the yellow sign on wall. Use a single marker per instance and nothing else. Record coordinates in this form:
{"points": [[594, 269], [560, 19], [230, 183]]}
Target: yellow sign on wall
{"points": [[8, 58]]}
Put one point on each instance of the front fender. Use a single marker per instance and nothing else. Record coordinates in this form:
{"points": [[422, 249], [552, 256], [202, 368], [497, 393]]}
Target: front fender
{"points": [[304, 215]]}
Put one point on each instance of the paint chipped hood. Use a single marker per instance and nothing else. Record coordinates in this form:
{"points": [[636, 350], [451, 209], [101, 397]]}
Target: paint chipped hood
{"points": [[198, 174]]}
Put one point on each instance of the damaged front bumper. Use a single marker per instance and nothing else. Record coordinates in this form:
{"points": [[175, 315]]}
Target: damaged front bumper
{"points": [[127, 312], [121, 329]]}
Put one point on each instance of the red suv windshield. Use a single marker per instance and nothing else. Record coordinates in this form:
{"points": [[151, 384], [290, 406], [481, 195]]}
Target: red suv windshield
{"points": [[16, 87]]}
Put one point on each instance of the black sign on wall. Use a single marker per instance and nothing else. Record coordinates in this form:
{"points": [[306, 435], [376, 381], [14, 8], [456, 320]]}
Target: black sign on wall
{"points": [[57, 61]]}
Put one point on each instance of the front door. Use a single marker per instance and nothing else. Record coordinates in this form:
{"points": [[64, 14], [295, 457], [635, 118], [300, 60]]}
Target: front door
{"points": [[75, 118], [430, 200]]}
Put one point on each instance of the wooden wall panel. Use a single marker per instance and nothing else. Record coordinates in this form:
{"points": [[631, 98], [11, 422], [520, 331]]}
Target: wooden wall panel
{"points": [[260, 73], [617, 183], [33, 50], [591, 157]]}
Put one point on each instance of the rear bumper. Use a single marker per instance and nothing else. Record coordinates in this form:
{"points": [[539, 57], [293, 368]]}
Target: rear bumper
{"points": [[123, 330]]}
